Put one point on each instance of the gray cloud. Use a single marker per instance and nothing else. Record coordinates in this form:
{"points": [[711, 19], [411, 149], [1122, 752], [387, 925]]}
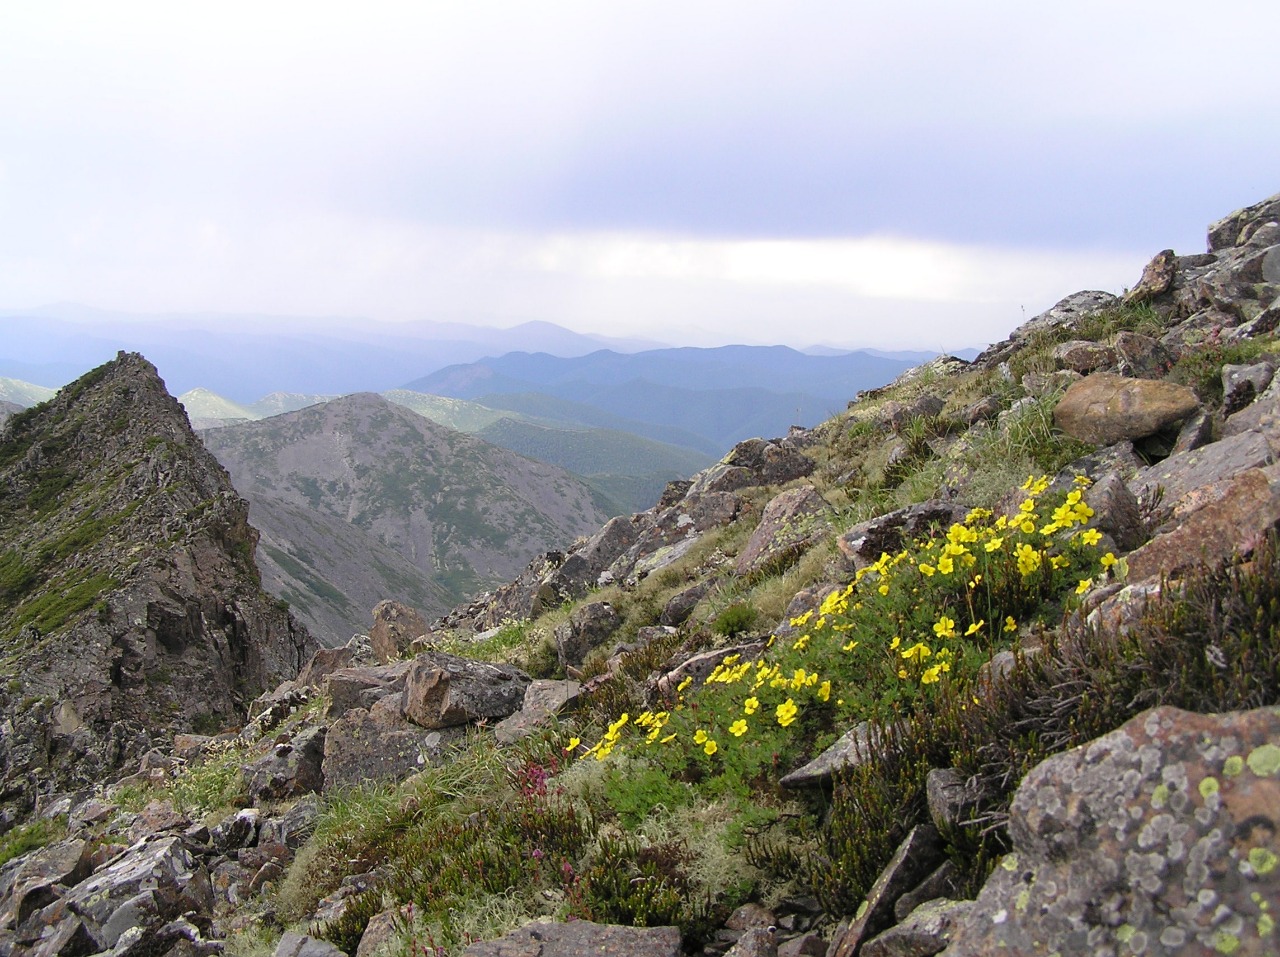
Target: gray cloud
{"points": [[399, 159]]}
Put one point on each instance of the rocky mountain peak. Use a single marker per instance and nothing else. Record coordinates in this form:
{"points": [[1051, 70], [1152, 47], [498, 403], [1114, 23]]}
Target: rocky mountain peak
{"points": [[130, 606]]}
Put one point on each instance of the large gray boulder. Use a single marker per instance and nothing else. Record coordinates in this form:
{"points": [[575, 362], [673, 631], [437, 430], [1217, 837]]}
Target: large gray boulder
{"points": [[1162, 837], [442, 691]]}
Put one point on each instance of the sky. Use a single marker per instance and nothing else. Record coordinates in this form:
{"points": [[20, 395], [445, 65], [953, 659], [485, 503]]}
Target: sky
{"points": [[895, 175]]}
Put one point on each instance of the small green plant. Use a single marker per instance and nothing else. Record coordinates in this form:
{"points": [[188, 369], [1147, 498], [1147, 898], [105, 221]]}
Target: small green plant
{"points": [[31, 836], [734, 620]]}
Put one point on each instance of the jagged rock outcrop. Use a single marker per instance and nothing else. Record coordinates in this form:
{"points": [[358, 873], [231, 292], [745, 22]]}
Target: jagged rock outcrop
{"points": [[131, 607]]}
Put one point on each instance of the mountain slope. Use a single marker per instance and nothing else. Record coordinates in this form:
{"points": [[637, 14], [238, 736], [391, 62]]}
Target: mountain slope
{"points": [[129, 603], [460, 513], [23, 393]]}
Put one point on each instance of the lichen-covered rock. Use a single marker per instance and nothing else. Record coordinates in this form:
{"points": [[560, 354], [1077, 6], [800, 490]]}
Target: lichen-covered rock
{"points": [[360, 747], [441, 690], [395, 626], [588, 627], [854, 747], [1241, 384], [927, 930], [1162, 837], [543, 700], [1186, 480], [291, 768], [580, 938], [1103, 408], [791, 522], [1156, 279], [1083, 356]]}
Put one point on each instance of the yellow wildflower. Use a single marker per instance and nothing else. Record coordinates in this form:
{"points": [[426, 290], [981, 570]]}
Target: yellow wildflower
{"points": [[1091, 536], [850, 646], [917, 652], [995, 544], [786, 712], [1108, 560], [1084, 586], [945, 565], [1010, 624], [573, 744], [738, 728], [684, 684], [926, 570], [974, 628], [699, 736], [710, 747], [751, 705], [944, 627], [824, 691]]}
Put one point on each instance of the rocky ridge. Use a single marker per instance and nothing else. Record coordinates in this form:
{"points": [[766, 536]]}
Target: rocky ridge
{"points": [[1158, 837], [131, 607]]}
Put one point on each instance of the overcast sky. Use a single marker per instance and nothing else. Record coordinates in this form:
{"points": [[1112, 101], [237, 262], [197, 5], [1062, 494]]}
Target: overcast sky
{"points": [[889, 174]]}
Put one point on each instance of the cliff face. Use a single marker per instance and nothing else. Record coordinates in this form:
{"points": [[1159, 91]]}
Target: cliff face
{"points": [[130, 606]]}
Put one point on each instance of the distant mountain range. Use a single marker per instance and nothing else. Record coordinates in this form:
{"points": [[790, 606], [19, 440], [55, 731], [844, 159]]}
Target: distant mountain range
{"points": [[244, 356], [720, 396]]}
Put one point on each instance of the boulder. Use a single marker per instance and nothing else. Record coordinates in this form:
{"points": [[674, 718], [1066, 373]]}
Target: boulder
{"points": [[1156, 279], [700, 665], [1234, 523], [1141, 357], [754, 942], [1160, 837], [1083, 356], [291, 768], [292, 828], [680, 605], [579, 938], [1116, 511], [443, 690], [1184, 476], [40, 878], [361, 687], [323, 663], [853, 748], [360, 748], [153, 883], [791, 522], [1064, 314], [588, 627], [1241, 384], [300, 945], [952, 799], [943, 882], [1103, 408], [864, 543], [395, 626], [543, 700]]}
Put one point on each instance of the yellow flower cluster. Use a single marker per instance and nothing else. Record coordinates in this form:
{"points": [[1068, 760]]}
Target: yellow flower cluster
{"points": [[968, 570]]}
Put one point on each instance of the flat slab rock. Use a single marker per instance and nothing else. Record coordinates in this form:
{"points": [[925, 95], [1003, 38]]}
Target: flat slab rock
{"points": [[581, 938], [1158, 838]]}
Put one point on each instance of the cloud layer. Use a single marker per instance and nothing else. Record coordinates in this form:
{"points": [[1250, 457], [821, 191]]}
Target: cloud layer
{"points": [[855, 173]]}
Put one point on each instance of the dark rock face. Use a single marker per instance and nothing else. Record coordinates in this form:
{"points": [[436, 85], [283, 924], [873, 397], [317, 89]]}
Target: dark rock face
{"points": [[1160, 837], [131, 604]]}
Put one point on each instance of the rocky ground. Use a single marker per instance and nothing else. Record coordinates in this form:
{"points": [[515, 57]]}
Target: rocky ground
{"points": [[1159, 415]]}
